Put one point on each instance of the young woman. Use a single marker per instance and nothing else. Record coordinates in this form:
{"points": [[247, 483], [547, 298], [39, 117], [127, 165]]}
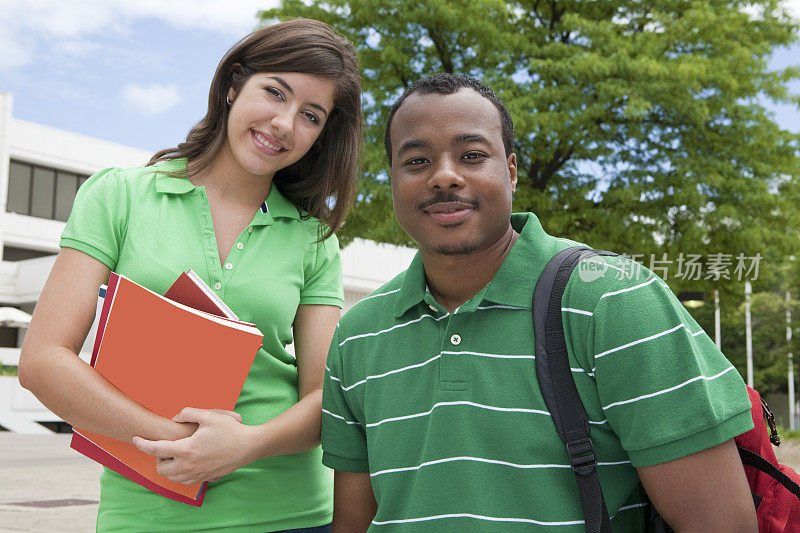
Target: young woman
{"points": [[249, 201]]}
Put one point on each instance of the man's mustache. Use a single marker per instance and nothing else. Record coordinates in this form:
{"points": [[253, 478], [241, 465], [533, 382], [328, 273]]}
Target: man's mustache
{"points": [[442, 198]]}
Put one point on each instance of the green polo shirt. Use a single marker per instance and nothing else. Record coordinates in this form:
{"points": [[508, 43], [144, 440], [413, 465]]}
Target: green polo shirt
{"points": [[150, 227], [445, 413]]}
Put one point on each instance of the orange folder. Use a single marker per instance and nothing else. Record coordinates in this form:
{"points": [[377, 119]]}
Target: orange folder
{"points": [[166, 356]]}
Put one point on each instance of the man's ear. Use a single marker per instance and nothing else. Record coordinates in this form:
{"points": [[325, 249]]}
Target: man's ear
{"points": [[512, 171]]}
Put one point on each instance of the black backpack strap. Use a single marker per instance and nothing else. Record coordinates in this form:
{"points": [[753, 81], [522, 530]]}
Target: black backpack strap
{"points": [[759, 463], [558, 388]]}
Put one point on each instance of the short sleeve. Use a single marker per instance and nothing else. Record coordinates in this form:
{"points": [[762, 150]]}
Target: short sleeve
{"points": [[664, 387], [344, 442], [98, 220], [323, 274]]}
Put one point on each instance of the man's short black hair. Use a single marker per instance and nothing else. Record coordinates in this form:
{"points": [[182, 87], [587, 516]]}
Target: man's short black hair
{"points": [[449, 84]]}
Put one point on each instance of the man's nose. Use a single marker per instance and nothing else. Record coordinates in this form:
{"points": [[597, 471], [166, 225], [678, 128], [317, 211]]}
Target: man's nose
{"points": [[445, 176]]}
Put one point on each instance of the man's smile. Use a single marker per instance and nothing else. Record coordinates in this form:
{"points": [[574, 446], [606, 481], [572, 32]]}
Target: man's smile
{"points": [[449, 212]]}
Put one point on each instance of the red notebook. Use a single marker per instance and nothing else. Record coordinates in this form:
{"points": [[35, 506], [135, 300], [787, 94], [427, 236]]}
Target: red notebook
{"points": [[166, 356], [189, 289]]}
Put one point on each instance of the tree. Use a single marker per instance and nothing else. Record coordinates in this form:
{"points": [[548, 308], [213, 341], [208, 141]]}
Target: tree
{"points": [[639, 123], [768, 312]]}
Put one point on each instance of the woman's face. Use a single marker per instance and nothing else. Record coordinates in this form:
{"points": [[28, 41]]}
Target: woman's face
{"points": [[274, 119]]}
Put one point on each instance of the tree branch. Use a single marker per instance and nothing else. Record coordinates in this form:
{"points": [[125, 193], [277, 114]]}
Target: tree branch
{"points": [[441, 50]]}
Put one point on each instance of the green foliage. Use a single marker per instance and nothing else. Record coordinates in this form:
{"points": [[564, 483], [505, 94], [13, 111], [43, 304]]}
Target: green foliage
{"points": [[639, 124], [639, 129], [8, 370], [789, 434], [770, 346]]}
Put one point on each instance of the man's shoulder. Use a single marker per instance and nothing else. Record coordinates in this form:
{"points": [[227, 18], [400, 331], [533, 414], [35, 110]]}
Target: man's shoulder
{"points": [[598, 277], [376, 308]]}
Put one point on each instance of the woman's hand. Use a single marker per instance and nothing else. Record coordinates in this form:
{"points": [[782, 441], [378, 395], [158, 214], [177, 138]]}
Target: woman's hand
{"points": [[219, 446]]}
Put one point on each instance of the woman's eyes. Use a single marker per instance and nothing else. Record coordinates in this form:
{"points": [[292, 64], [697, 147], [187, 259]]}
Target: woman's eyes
{"points": [[311, 116], [279, 95], [275, 92]]}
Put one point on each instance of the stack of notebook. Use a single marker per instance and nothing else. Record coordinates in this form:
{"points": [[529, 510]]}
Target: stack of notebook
{"points": [[184, 349]]}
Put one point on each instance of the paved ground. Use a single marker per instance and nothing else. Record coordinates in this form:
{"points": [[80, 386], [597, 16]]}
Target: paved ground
{"points": [[43, 468], [788, 453]]}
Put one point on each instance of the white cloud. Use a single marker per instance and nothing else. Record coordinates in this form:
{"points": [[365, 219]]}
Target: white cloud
{"points": [[234, 18], [151, 100], [80, 47], [29, 28], [793, 7], [14, 50]]}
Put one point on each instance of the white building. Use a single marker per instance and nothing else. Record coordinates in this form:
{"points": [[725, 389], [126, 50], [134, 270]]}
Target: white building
{"points": [[41, 169]]}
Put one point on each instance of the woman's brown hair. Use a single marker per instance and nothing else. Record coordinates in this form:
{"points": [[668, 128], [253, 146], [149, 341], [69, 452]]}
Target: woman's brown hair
{"points": [[322, 183]]}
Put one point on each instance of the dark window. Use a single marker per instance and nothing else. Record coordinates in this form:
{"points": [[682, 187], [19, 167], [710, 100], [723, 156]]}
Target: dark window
{"points": [[12, 253], [66, 187], [41, 191], [8, 337], [19, 188]]}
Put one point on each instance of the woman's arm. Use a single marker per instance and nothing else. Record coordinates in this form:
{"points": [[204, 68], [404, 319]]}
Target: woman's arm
{"points": [[51, 369], [221, 445]]}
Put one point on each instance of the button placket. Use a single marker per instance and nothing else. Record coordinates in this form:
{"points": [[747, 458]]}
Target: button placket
{"points": [[451, 375], [208, 240], [236, 254]]}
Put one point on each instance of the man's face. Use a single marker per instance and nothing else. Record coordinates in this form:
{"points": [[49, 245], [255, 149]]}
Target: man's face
{"points": [[451, 180]]}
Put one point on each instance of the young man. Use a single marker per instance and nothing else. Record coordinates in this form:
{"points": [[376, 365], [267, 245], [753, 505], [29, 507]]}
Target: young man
{"points": [[433, 419]]}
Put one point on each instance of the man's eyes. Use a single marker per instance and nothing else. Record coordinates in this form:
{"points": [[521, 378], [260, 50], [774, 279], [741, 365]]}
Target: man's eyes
{"points": [[470, 157]]}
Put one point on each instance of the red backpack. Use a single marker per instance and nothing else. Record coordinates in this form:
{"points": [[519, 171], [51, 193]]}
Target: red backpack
{"points": [[775, 487]]}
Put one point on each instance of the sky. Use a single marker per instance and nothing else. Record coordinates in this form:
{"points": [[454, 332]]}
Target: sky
{"points": [[137, 72]]}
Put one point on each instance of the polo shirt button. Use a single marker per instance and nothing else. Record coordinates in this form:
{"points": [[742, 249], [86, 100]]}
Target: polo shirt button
{"points": [[228, 266], [239, 245], [250, 229], [217, 286], [455, 339]]}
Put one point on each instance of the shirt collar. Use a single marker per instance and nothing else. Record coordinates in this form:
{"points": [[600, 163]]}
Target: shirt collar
{"points": [[412, 291], [275, 206], [172, 184], [514, 278], [278, 205]]}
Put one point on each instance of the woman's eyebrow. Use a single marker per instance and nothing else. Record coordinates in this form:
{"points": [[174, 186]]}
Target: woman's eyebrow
{"points": [[283, 83], [289, 89]]}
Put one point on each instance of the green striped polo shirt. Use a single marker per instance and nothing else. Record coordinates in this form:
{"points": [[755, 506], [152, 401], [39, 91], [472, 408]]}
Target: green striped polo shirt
{"points": [[445, 413]]}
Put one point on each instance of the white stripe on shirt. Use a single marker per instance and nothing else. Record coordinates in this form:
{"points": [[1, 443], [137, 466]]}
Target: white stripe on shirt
{"points": [[628, 289], [341, 418], [484, 460], [676, 387]]}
